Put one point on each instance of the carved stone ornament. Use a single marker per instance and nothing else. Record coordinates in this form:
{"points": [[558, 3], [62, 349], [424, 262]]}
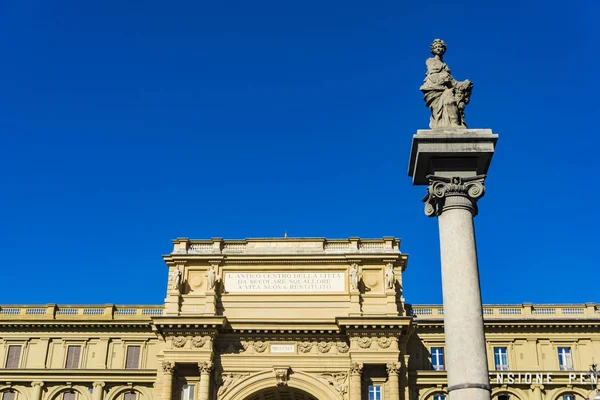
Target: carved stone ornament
{"points": [[305, 347], [228, 381], [281, 376], [342, 347], [206, 366], [199, 341], [168, 367], [338, 381], [259, 346], [324, 347], [445, 97], [384, 342], [364, 342], [393, 368], [453, 193], [356, 368], [179, 341]]}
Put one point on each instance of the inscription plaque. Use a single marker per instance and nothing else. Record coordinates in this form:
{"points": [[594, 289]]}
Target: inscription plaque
{"points": [[283, 348], [284, 282]]}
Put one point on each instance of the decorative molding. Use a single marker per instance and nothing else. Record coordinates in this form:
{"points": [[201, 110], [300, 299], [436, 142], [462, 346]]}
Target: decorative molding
{"points": [[342, 347], [179, 341], [393, 368], [324, 347], [281, 375], [199, 341], [168, 367], [338, 381], [384, 342], [260, 346], [228, 381], [206, 367], [448, 193], [305, 347], [356, 368], [364, 342]]}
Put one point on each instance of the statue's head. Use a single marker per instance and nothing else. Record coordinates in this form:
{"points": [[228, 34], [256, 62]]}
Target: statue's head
{"points": [[438, 47]]}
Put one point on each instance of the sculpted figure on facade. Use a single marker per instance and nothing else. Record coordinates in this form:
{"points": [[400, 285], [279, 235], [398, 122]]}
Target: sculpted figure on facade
{"points": [[281, 376], [445, 96], [176, 280], [228, 380], [354, 277], [390, 279], [212, 278]]}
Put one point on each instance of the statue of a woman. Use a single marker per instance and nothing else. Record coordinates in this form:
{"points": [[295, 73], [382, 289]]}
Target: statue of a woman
{"points": [[389, 277], [445, 97], [354, 277], [176, 282]]}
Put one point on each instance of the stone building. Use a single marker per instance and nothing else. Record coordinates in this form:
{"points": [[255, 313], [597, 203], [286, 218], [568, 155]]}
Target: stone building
{"points": [[285, 319]]}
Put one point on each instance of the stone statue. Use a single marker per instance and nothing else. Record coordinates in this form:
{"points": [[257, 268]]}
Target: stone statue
{"points": [[176, 281], [211, 278], [445, 97], [389, 277], [354, 277]]}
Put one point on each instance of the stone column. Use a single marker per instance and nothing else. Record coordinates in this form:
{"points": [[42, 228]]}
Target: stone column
{"points": [[97, 390], [537, 392], [37, 390], [393, 386], [453, 201], [167, 384], [204, 389], [355, 381]]}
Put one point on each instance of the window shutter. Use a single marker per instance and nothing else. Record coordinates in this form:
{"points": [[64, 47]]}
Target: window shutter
{"points": [[73, 354], [132, 360], [14, 356], [8, 395], [129, 396], [69, 395]]}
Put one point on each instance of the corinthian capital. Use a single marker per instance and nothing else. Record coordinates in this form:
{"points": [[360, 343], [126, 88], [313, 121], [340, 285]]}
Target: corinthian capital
{"points": [[168, 367], [206, 366], [393, 368], [453, 193]]}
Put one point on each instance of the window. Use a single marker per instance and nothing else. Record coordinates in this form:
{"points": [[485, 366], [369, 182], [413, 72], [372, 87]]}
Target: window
{"points": [[69, 395], [132, 361], [13, 358], [187, 392], [375, 393], [73, 354], [501, 358], [9, 395], [569, 397], [437, 358], [129, 396], [503, 397], [439, 397], [565, 362]]}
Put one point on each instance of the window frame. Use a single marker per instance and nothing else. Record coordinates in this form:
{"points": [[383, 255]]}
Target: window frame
{"points": [[191, 385], [560, 355], [21, 353], [73, 392], [568, 396], [12, 391], [139, 363], [498, 357], [79, 361], [439, 396], [375, 386], [437, 367]]}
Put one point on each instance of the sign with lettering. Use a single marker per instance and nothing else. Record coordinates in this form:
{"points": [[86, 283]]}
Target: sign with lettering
{"points": [[284, 282], [283, 348]]}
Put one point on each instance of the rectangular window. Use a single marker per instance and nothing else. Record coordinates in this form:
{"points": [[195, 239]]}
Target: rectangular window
{"points": [[187, 392], [73, 354], [69, 396], [13, 357], [501, 358], [9, 396], [375, 393], [437, 358], [132, 361], [565, 362], [129, 396]]}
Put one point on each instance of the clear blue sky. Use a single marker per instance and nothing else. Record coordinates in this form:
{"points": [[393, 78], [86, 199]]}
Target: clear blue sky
{"points": [[127, 124]]}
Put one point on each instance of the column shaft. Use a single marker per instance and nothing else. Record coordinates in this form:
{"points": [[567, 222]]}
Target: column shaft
{"points": [[204, 387], [167, 384], [98, 390], [355, 381], [466, 358], [37, 390], [393, 386]]}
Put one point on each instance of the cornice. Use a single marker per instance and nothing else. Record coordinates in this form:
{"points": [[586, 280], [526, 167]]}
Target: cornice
{"points": [[79, 375]]}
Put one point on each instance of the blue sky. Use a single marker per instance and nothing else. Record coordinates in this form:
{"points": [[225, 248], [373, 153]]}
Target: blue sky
{"points": [[124, 125]]}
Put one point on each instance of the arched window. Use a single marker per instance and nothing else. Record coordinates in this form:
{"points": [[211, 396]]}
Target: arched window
{"points": [[568, 396], [439, 396], [503, 396], [70, 395]]}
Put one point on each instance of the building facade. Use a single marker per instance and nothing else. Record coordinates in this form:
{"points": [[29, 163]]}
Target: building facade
{"points": [[285, 319]]}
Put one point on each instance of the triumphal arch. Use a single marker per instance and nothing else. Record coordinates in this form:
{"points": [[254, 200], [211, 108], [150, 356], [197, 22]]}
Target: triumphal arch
{"points": [[277, 319]]}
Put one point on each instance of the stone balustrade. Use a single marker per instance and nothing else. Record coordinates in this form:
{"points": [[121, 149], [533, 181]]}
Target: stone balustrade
{"points": [[522, 311], [56, 312]]}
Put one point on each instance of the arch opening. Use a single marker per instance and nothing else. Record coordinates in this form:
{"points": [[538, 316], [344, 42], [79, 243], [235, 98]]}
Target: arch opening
{"points": [[281, 393]]}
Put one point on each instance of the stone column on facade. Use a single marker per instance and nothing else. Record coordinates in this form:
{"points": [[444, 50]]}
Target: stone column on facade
{"points": [[393, 384], [355, 381], [406, 392], [97, 390], [204, 387], [453, 164], [37, 390], [168, 368], [537, 392]]}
